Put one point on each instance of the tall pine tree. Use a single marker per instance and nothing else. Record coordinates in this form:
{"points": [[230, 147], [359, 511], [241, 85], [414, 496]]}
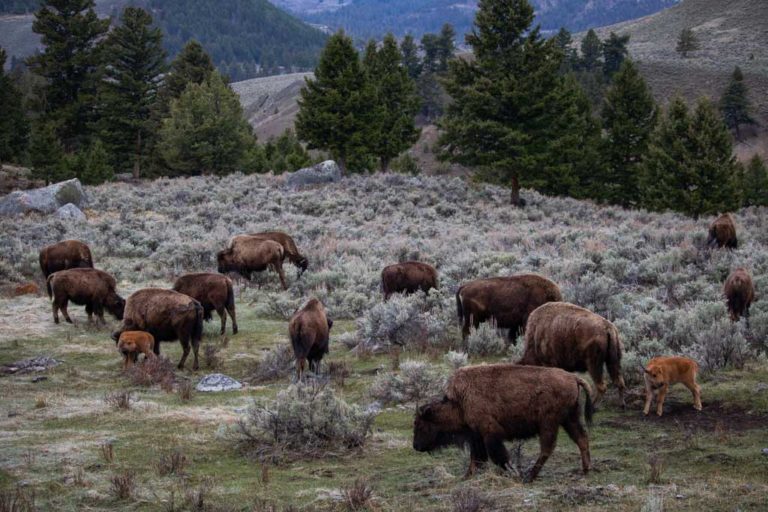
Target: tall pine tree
{"points": [[411, 61], [629, 117], [71, 33], [614, 53], [754, 183], [191, 65], [591, 52], [734, 104], [129, 91], [46, 154], [687, 42], [14, 126]]}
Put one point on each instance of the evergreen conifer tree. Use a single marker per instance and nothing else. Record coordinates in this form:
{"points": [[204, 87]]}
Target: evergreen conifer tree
{"points": [[191, 65], [14, 126], [563, 41], [591, 52], [46, 154], [754, 183], [411, 60], [687, 42], [614, 53], [734, 104]]}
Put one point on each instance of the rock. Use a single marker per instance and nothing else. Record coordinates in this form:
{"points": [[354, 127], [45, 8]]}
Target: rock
{"points": [[39, 378], [43, 200], [34, 364], [217, 382], [765, 451], [70, 212], [324, 172], [761, 386], [26, 289]]}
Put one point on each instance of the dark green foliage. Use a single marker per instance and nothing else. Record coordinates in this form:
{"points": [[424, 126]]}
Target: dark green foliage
{"points": [[285, 153], [336, 107], [191, 65], [438, 49], [629, 117], [395, 99], [614, 53], [14, 126], [91, 166], [690, 166], [432, 96], [687, 42], [46, 154], [129, 90], [754, 183], [591, 52], [71, 32], [734, 103], [564, 42], [411, 60], [207, 133]]}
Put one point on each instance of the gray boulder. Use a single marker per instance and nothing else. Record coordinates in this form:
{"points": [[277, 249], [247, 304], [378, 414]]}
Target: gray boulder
{"points": [[33, 364], [43, 200], [217, 382], [324, 172], [70, 212]]}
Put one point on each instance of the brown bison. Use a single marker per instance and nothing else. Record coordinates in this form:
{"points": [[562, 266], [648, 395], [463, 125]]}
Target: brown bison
{"points": [[65, 255], [488, 404], [247, 254], [213, 291], [309, 329], [133, 343], [408, 277], [95, 289], [167, 315], [739, 293], [575, 339], [289, 246], [722, 232], [507, 300]]}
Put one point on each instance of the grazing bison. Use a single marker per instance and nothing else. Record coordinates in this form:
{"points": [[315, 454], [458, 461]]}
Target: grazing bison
{"points": [[65, 255], [408, 277], [289, 246], [570, 337], [95, 289], [247, 254], [309, 329], [485, 405], [663, 371], [722, 232], [167, 315], [508, 300], [133, 343], [213, 291], [739, 293]]}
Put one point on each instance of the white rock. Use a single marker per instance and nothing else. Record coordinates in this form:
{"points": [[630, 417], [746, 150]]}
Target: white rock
{"points": [[70, 212], [216, 382]]}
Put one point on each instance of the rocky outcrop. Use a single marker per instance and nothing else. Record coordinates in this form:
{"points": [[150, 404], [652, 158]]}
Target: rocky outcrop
{"points": [[324, 172], [44, 200]]}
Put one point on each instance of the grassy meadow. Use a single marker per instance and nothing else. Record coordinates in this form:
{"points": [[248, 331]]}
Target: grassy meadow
{"points": [[65, 446]]}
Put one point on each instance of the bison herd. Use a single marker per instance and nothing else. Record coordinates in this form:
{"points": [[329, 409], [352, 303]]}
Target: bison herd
{"points": [[483, 405]]}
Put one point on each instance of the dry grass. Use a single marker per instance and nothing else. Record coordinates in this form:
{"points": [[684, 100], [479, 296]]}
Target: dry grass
{"points": [[120, 400], [123, 484]]}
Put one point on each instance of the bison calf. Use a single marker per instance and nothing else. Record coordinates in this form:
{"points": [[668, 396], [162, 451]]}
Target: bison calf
{"points": [[214, 292], [309, 330], [247, 254], [485, 405], [739, 293], [95, 289], [661, 372], [65, 255], [133, 343], [291, 252], [408, 277], [722, 233], [570, 337]]}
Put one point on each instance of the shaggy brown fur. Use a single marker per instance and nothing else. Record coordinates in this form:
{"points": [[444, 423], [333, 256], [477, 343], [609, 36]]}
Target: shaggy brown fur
{"points": [[133, 343], [247, 254], [661, 372], [408, 277], [26, 289], [289, 246], [309, 330], [722, 232], [213, 291], [95, 289], [65, 255], [488, 404], [570, 337], [167, 315], [739, 293], [508, 300]]}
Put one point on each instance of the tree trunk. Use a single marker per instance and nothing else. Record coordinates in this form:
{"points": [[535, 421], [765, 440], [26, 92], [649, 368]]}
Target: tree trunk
{"points": [[383, 164], [514, 195], [342, 161], [136, 162]]}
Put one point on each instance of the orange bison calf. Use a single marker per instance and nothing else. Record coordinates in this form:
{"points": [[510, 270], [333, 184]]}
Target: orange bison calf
{"points": [[508, 300], [570, 337], [64, 255], [213, 291], [739, 293], [84, 286], [133, 343], [722, 232], [662, 372], [291, 252], [485, 405], [247, 254], [408, 277], [309, 331]]}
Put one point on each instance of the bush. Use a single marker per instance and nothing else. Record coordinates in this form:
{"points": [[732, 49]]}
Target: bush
{"points": [[153, 371], [123, 485], [119, 399], [456, 360], [276, 364], [415, 382], [486, 341], [721, 346]]}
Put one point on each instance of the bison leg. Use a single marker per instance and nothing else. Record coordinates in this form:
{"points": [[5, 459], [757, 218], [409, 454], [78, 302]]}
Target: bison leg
{"points": [[478, 456], [223, 315], [55, 309], [660, 399], [547, 441], [648, 398], [195, 350], [63, 307], [576, 432], [595, 370], [494, 447], [185, 352], [89, 311], [696, 392], [300, 368], [231, 311], [281, 274]]}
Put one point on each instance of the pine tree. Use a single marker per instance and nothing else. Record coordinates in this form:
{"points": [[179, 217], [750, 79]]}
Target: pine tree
{"points": [[591, 52], [285, 153], [206, 132], [71, 32], [687, 42], [564, 42], [411, 60], [191, 65], [754, 183], [629, 117], [445, 47], [46, 154], [336, 107], [734, 103], [14, 126], [690, 166], [395, 99], [91, 166], [430, 45], [129, 91], [508, 102], [614, 53]]}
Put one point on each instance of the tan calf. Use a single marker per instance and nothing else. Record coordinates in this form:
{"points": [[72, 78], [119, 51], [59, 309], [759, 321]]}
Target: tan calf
{"points": [[661, 372], [133, 343]]}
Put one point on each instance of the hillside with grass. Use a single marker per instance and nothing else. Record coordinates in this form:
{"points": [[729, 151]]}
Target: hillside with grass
{"points": [[85, 434]]}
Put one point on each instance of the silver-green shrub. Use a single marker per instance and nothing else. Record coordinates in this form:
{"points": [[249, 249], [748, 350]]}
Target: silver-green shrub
{"points": [[415, 382]]}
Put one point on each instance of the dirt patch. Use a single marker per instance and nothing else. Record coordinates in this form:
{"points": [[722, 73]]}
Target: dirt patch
{"points": [[714, 417]]}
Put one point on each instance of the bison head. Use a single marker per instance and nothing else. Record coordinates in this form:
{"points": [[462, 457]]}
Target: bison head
{"points": [[226, 261], [302, 263], [654, 376], [115, 304], [436, 425]]}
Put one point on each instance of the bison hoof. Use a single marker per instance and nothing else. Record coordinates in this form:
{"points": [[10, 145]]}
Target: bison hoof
{"points": [[234, 331], [528, 477]]}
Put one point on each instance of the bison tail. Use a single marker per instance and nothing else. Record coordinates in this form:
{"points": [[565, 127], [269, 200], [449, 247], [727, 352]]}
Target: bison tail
{"points": [[459, 307], [230, 296], [589, 406], [197, 331], [613, 359], [48, 286]]}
